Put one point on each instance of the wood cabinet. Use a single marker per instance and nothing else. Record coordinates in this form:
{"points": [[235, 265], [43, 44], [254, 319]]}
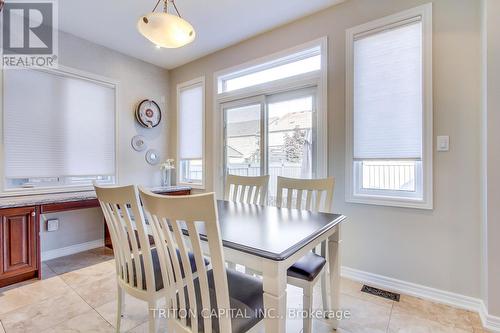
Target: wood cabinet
{"points": [[18, 244]]}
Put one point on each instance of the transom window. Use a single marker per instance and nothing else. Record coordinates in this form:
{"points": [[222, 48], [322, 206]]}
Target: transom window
{"points": [[298, 63]]}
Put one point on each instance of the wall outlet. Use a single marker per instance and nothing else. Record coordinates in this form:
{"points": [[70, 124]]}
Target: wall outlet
{"points": [[52, 225]]}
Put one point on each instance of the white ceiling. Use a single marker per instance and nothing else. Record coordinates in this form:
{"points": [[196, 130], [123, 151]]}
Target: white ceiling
{"points": [[218, 24]]}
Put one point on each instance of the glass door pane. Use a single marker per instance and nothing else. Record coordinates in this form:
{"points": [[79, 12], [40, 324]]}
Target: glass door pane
{"points": [[291, 136], [242, 148]]}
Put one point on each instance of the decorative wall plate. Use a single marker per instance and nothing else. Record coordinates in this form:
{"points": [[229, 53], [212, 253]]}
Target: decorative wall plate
{"points": [[153, 157], [148, 113], [139, 143]]}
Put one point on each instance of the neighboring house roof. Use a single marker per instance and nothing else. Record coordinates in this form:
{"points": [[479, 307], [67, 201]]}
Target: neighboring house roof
{"points": [[231, 152], [244, 128], [289, 121]]}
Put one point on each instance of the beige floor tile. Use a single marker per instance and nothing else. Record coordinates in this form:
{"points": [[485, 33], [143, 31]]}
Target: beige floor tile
{"points": [[104, 252], [89, 274], [30, 292], [407, 323], [143, 328], [75, 262], [1, 328], [89, 322], [44, 314], [97, 293], [136, 312], [365, 316], [443, 314]]}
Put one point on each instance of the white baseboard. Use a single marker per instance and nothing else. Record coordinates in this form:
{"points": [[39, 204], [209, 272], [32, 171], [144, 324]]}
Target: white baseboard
{"points": [[490, 322], [68, 250], [436, 295]]}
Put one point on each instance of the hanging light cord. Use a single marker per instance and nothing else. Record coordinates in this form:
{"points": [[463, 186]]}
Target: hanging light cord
{"points": [[166, 6]]}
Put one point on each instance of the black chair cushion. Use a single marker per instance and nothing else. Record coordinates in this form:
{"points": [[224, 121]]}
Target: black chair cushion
{"points": [[246, 298], [307, 267], [157, 268], [150, 238]]}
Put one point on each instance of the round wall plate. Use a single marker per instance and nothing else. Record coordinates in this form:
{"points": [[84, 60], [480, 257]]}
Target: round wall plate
{"points": [[139, 143], [153, 157]]}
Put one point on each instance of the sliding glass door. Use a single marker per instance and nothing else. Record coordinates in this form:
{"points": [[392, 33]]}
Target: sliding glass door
{"points": [[271, 135]]}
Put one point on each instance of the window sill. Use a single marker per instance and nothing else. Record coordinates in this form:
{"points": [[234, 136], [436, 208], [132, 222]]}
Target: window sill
{"points": [[390, 201], [17, 192]]}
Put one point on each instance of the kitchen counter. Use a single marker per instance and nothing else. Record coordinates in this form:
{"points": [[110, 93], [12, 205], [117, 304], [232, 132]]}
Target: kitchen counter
{"points": [[46, 199]]}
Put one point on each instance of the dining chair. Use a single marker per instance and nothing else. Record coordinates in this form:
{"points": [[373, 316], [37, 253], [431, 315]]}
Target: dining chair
{"points": [[313, 195], [137, 261], [190, 223], [246, 189]]}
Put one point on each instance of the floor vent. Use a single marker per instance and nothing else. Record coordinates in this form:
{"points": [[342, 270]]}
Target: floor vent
{"points": [[381, 293]]}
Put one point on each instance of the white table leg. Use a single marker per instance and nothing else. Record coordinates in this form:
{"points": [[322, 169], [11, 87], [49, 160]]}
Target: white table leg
{"points": [[274, 281], [334, 260]]}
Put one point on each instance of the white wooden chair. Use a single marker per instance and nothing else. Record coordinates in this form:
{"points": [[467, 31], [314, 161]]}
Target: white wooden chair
{"points": [[314, 195], [246, 189], [191, 222], [137, 261]]}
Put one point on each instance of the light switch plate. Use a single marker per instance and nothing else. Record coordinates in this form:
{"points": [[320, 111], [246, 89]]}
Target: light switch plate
{"points": [[443, 143], [52, 225]]}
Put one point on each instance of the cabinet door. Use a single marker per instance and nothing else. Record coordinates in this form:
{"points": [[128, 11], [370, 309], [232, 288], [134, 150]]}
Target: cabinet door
{"points": [[18, 241]]}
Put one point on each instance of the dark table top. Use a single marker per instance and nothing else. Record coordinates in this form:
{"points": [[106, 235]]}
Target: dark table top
{"points": [[271, 232]]}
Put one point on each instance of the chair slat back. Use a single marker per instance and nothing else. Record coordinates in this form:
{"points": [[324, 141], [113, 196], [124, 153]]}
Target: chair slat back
{"points": [[127, 227], [182, 222], [246, 189], [309, 194]]}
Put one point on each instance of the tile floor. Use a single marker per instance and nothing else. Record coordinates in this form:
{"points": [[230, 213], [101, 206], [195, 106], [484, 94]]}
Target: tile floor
{"points": [[77, 294]]}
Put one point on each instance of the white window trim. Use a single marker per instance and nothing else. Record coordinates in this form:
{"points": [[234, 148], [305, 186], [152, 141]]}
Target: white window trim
{"points": [[181, 86], [316, 78], [424, 11], [71, 72]]}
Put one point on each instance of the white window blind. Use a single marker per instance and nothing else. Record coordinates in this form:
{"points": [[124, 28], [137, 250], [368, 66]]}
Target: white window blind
{"points": [[387, 93], [191, 122], [57, 125]]}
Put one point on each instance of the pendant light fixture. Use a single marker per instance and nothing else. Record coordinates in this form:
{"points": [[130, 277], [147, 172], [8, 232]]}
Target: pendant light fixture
{"points": [[165, 29]]}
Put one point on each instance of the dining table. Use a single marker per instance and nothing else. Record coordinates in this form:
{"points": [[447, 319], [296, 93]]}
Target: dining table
{"points": [[269, 240]]}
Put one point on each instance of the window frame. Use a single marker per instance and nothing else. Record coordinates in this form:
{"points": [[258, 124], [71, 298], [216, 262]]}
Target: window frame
{"points": [[389, 197], [318, 78], [184, 85], [60, 188]]}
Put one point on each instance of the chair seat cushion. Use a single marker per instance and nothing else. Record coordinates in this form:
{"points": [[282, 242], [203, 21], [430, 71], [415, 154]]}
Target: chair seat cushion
{"points": [[307, 267], [157, 269], [246, 299]]}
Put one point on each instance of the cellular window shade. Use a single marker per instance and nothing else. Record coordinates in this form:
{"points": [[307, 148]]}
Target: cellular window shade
{"points": [[57, 125], [387, 93], [191, 123]]}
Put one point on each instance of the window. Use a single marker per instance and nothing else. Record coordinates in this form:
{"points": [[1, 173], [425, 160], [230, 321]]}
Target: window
{"points": [[298, 63], [389, 108], [276, 127], [191, 133], [59, 130]]}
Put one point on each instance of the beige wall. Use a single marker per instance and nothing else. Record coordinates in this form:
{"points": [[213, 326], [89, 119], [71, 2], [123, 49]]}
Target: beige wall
{"points": [[438, 248], [138, 80], [491, 227]]}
